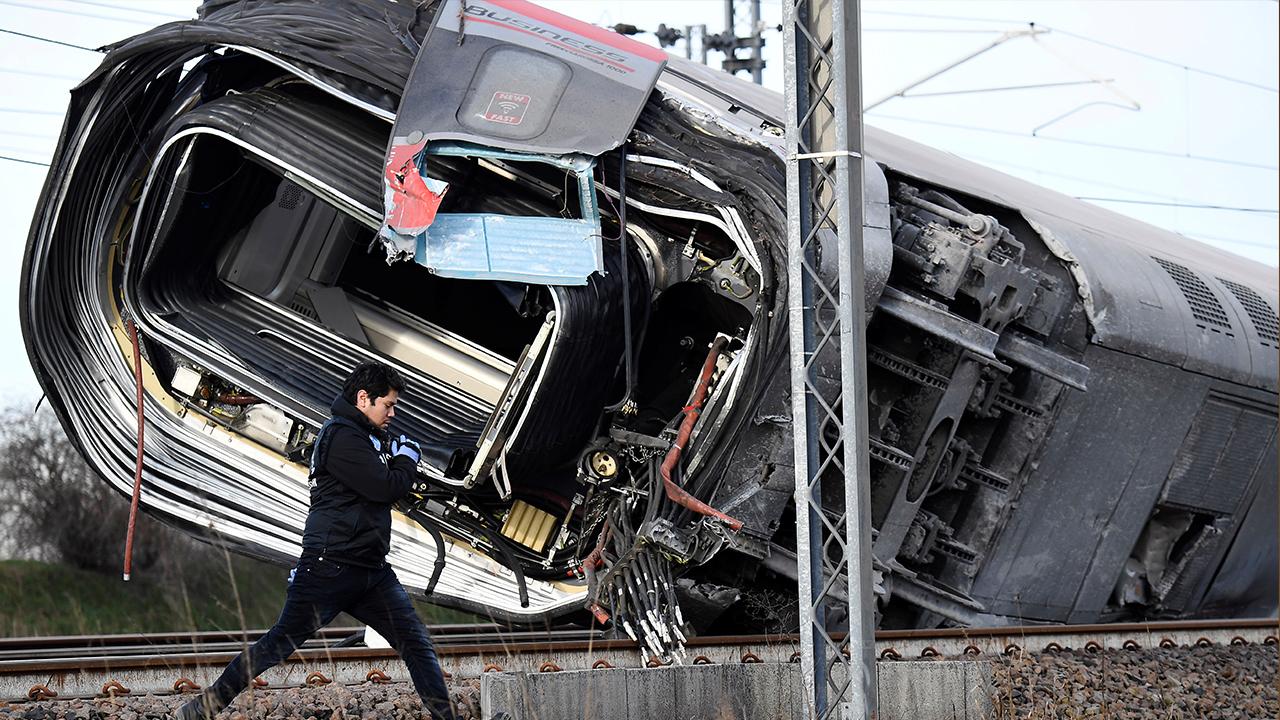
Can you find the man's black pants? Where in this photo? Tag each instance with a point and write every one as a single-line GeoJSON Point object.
{"type": "Point", "coordinates": [318, 591]}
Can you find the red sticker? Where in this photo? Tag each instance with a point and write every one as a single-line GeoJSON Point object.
{"type": "Point", "coordinates": [507, 108]}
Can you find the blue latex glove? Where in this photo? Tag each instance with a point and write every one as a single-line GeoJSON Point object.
{"type": "Point", "coordinates": [406, 447]}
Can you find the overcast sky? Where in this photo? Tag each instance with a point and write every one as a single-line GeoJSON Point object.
{"type": "Point", "coordinates": [1166, 111]}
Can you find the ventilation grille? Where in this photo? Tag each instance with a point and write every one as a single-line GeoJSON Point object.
{"type": "Point", "coordinates": [1260, 312]}
{"type": "Point", "coordinates": [1219, 457]}
{"type": "Point", "coordinates": [301, 304]}
{"type": "Point", "coordinates": [1205, 307]}
{"type": "Point", "coordinates": [290, 197]}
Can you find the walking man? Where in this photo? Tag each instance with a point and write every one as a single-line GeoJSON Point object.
{"type": "Point", "coordinates": [357, 472]}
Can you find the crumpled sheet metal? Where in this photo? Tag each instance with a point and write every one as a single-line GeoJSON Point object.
{"type": "Point", "coordinates": [513, 75]}
{"type": "Point", "coordinates": [115, 129]}
{"type": "Point", "coordinates": [358, 51]}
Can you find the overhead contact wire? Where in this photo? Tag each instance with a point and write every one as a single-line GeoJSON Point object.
{"type": "Point", "coordinates": [24, 162]}
{"type": "Point", "coordinates": [51, 41]}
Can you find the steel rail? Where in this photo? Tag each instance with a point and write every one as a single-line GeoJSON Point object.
{"type": "Point", "coordinates": [470, 655]}
{"type": "Point", "coordinates": [68, 647]}
{"type": "Point", "coordinates": [1090, 629]}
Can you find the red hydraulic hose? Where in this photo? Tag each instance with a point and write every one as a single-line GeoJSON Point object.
{"type": "Point", "coordinates": [137, 476]}
{"type": "Point", "coordinates": [676, 493]}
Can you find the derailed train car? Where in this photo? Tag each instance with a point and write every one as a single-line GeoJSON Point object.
{"type": "Point", "coordinates": [1072, 414]}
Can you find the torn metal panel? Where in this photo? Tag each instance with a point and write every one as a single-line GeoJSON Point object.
{"type": "Point", "coordinates": [489, 246]}
{"type": "Point", "coordinates": [1063, 253]}
{"type": "Point", "coordinates": [410, 198]}
{"type": "Point", "coordinates": [526, 79]}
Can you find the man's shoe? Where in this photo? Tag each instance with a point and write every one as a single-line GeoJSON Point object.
{"type": "Point", "coordinates": [201, 708]}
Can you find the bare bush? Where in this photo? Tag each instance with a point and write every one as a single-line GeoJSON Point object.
{"type": "Point", "coordinates": [59, 509]}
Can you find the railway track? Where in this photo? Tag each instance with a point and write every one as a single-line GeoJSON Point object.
{"type": "Point", "coordinates": [67, 647]}
{"type": "Point", "coordinates": [175, 663]}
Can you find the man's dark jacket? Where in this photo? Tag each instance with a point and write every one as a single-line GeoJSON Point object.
{"type": "Point", "coordinates": [354, 481]}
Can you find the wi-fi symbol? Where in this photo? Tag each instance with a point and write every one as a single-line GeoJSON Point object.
{"type": "Point", "coordinates": [508, 107]}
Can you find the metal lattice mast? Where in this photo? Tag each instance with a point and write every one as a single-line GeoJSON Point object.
{"type": "Point", "coordinates": [742, 30]}
{"type": "Point", "coordinates": [828, 357]}
{"type": "Point", "coordinates": [757, 47]}
{"type": "Point", "coordinates": [742, 18]}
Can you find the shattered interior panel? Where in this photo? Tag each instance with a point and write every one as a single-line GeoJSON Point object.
{"type": "Point", "coordinates": [1072, 415]}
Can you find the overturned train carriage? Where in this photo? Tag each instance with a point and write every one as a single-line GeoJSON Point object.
{"type": "Point", "coordinates": [1072, 414]}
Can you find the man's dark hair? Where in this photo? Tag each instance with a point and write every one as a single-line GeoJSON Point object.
{"type": "Point", "coordinates": [374, 378]}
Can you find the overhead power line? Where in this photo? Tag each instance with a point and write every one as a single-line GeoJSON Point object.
{"type": "Point", "coordinates": [1004, 38]}
{"type": "Point", "coordinates": [25, 162]}
{"type": "Point", "coordinates": [1196, 206]}
{"type": "Point", "coordinates": [940, 31]}
{"type": "Point", "coordinates": [1207, 238]}
{"type": "Point", "coordinates": [981, 160]}
{"type": "Point", "coordinates": [1006, 88]}
{"type": "Point", "coordinates": [929, 16]}
{"type": "Point", "coordinates": [122, 8]}
{"type": "Point", "coordinates": [1163, 61]}
{"type": "Point", "coordinates": [16, 133]}
{"type": "Point", "coordinates": [1085, 38]}
{"type": "Point", "coordinates": [1085, 143]}
{"type": "Point", "coordinates": [74, 13]}
{"type": "Point", "coordinates": [29, 111]}
{"type": "Point", "coordinates": [36, 73]}
{"type": "Point", "coordinates": [1091, 181]}
{"type": "Point", "coordinates": [49, 40]}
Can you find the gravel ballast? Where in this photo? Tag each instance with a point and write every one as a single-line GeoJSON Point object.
{"type": "Point", "coordinates": [1218, 681]}
{"type": "Point", "coordinates": [1215, 682]}
{"type": "Point", "coordinates": [392, 701]}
